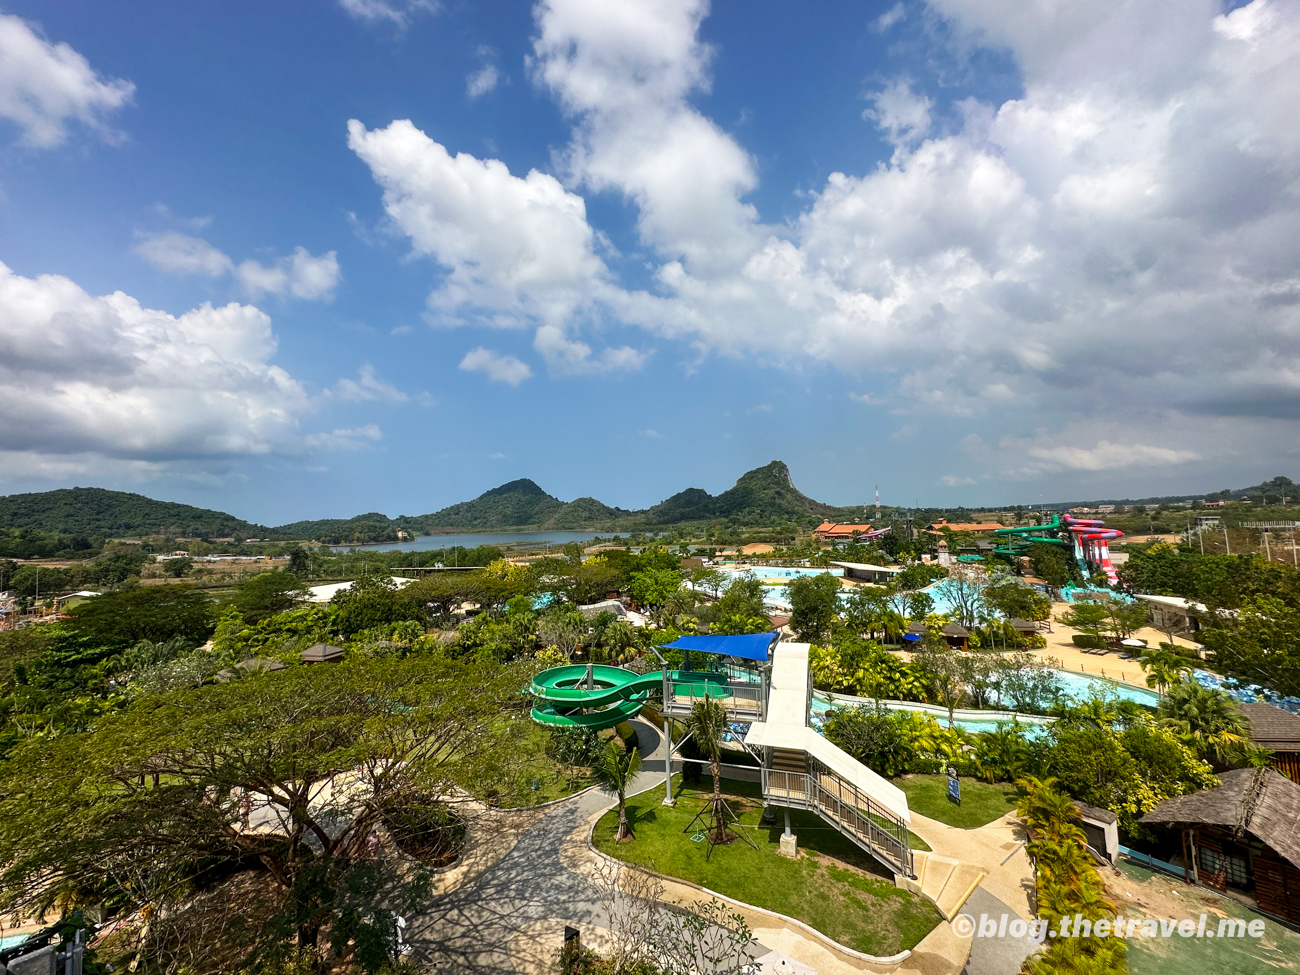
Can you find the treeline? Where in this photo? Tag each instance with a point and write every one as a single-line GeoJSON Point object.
{"type": "Point", "coordinates": [34, 543]}
{"type": "Point", "coordinates": [97, 511]}
{"type": "Point", "coordinates": [1251, 622]}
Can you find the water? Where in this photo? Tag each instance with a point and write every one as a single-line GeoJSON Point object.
{"type": "Point", "coordinates": [429, 543]}
{"type": "Point", "coordinates": [820, 705]}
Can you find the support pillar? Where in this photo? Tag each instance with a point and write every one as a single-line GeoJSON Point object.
{"type": "Point", "coordinates": [789, 842]}
{"type": "Point", "coordinates": [668, 763]}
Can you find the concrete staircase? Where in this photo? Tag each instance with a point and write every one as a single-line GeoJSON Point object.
{"type": "Point", "coordinates": [944, 882]}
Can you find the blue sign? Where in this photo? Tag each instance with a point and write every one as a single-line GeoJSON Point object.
{"type": "Point", "coordinates": [954, 787]}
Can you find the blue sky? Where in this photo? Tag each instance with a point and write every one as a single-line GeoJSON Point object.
{"type": "Point", "coordinates": [315, 259]}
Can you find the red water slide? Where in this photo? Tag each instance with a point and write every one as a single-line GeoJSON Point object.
{"type": "Point", "coordinates": [1092, 543]}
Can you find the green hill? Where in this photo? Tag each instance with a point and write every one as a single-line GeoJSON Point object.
{"type": "Point", "coordinates": [97, 511]}
{"type": "Point", "coordinates": [764, 496]}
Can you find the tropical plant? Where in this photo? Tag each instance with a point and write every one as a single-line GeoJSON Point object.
{"type": "Point", "coordinates": [707, 723]}
{"type": "Point", "coordinates": [614, 769]}
{"type": "Point", "coordinates": [1206, 719]}
{"type": "Point", "coordinates": [1164, 668]}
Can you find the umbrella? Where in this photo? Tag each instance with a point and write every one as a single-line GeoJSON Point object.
{"type": "Point", "coordinates": [1132, 642]}
{"type": "Point", "coordinates": [911, 637]}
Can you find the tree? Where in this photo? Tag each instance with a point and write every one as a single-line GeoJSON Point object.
{"type": "Point", "coordinates": [743, 598]}
{"type": "Point", "coordinates": [563, 627]}
{"type": "Point", "coordinates": [710, 581]}
{"type": "Point", "coordinates": [814, 602]}
{"type": "Point", "coordinates": [1088, 617]}
{"type": "Point", "coordinates": [652, 587]}
{"type": "Point", "coordinates": [1049, 563]}
{"type": "Point", "coordinates": [707, 723]}
{"type": "Point", "coordinates": [1124, 616]}
{"type": "Point", "coordinates": [615, 769]}
{"type": "Point", "coordinates": [1205, 719]}
{"type": "Point", "coordinates": [1163, 668]}
{"type": "Point", "coordinates": [299, 563]}
{"type": "Point", "coordinates": [372, 601]}
{"type": "Point", "coordinates": [316, 756]}
{"type": "Point", "coordinates": [964, 591]}
{"type": "Point", "coordinates": [115, 621]}
{"type": "Point", "coordinates": [943, 670]}
{"type": "Point", "coordinates": [266, 594]}
{"type": "Point", "coordinates": [178, 567]}
{"type": "Point", "coordinates": [871, 735]}
{"type": "Point", "coordinates": [1014, 599]}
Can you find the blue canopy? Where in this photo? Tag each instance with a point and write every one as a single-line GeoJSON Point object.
{"type": "Point", "coordinates": [751, 646]}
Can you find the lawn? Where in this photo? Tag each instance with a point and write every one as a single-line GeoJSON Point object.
{"type": "Point", "coordinates": [832, 886]}
{"type": "Point", "coordinates": [543, 779]}
{"type": "Point", "coordinates": [980, 802]}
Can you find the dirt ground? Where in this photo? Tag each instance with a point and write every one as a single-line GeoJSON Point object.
{"type": "Point", "coordinates": [1141, 893]}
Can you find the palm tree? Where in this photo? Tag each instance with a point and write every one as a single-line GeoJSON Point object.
{"type": "Point", "coordinates": [1164, 669]}
{"type": "Point", "coordinates": [615, 769]}
{"type": "Point", "coordinates": [1206, 719]}
{"type": "Point", "coordinates": [707, 724]}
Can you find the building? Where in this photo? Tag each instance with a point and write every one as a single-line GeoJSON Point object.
{"type": "Point", "coordinates": [64, 603]}
{"type": "Point", "coordinates": [322, 653]}
{"type": "Point", "coordinates": [832, 531]}
{"type": "Point", "coordinates": [865, 572]}
{"type": "Point", "coordinates": [1101, 826]}
{"type": "Point", "coordinates": [1173, 614]}
{"type": "Point", "coordinates": [1279, 732]}
{"type": "Point", "coordinates": [1242, 837]}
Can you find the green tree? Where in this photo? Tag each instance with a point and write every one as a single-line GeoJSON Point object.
{"type": "Point", "coordinates": [1050, 564]}
{"type": "Point", "coordinates": [1205, 719]}
{"type": "Point", "coordinates": [814, 603]}
{"type": "Point", "coordinates": [157, 809]}
{"type": "Point", "coordinates": [374, 601]}
{"type": "Point", "coordinates": [872, 735]}
{"type": "Point", "coordinates": [266, 594]}
{"type": "Point", "coordinates": [1164, 669]}
{"type": "Point", "coordinates": [116, 621]}
{"type": "Point", "coordinates": [653, 587]}
{"type": "Point", "coordinates": [1087, 617]}
{"type": "Point", "coordinates": [944, 671]}
{"type": "Point", "coordinates": [615, 768]}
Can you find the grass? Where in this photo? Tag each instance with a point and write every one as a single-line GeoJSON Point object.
{"type": "Point", "coordinates": [980, 802]}
{"type": "Point", "coordinates": [543, 779]}
{"type": "Point", "coordinates": [833, 886]}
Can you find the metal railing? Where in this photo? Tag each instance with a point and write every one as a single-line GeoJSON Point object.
{"type": "Point", "coordinates": [742, 701]}
{"type": "Point", "coordinates": [853, 812]}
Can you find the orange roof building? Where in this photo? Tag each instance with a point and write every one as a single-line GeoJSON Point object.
{"type": "Point", "coordinates": [835, 531]}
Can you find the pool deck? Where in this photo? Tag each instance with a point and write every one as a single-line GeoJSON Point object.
{"type": "Point", "coordinates": [1072, 658]}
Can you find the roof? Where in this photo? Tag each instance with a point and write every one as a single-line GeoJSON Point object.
{"type": "Point", "coordinates": [1256, 801]}
{"type": "Point", "coordinates": [604, 606]}
{"type": "Point", "coordinates": [750, 646]}
{"type": "Point", "coordinates": [868, 567]}
{"type": "Point", "coordinates": [1094, 814]}
{"type": "Point", "coordinates": [837, 528]}
{"type": "Point", "coordinates": [1176, 602]}
{"type": "Point", "coordinates": [1019, 624]}
{"type": "Point", "coordinates": [321, 653]}
{"type": "Point", "coordinates": [1272, 727]}
{"type": "Point", "coordinates": [955, 629]}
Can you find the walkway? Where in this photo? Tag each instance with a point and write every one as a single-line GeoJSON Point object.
{"type": "Point", "coordinates": [505, 913]}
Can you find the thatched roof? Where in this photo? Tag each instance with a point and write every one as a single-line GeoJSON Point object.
{"type": "Point", "coordinates": [1272, 727]}
{"type": "Point", "coordinates": [955, 629]}
{"type": "Point", "coordinates": [1256, 801]}
{"type": "Point", "coordinates": [1024, 626]}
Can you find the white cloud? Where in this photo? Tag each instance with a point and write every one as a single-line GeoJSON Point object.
{"type": "Point", "coordinates": [300, 275]}
{"type": "Point", "coordinates": [567, 357]}
{"type": "Point", "coordinates": [482, 81]}
{"type": "Point", "coordinates": [103, 377]}
{"type": "Point", "coordinates": [366, 387]}
{"type": "Point", "coordinates": [902, 114]}
{"type": "Point", "coordinates": [652, 434]}
{"type": "Point", "coordinates": [1107, 456]}
{"type": "Point", "coordinates": [396, 12]}
{"type": "Point", "coordinates": [890, 17]}
{"type": "Point", "coordinates": [497, 367]}
{"type": "Point", "coordinates": [351, 438]}
{"type": "Point", "coordinates": [44, 86]}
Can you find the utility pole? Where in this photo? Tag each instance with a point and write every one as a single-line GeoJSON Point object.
{"type": "Point", "coordinates": [877, 502]}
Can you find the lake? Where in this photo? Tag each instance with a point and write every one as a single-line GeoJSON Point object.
{"type": "Point", "coordinates": [428, 543]}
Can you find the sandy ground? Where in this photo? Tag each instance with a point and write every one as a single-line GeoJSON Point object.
{"type": "Point", "coordinates": [1060, 647]}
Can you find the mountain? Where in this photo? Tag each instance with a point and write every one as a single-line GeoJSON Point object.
{"type": "Point", "coordinates": [764, 496]}
{"type": "Point", "coordinates": [97, 511]}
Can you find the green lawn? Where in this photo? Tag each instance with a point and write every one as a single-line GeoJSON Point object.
{"type": "Point", "coordinates": [833, 886]}
{"type": "Point", "coordinates": [980, 802]}
{"type": "Point", "coordinates": [542, 780]}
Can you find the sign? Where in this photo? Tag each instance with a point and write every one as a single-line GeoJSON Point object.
{"type": "Point", "coordinates": [954, 786]}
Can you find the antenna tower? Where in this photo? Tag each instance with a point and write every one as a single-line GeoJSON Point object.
{"type": "Point", "coordinates": [877, 502]}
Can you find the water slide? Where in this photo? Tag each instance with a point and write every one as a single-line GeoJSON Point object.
{"type": "Point", "coordinates": [1019, 539]}
{"type": "Point", "coordinates": [1092, 543]}
{"type": "Point", "coordinates": [598, 696]}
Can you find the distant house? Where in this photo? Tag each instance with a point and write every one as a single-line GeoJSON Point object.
{"type": "Point", "coordinates": [1242, 836]}
{"type": "Point", "coordinates": [64, 603]}
{"type": "Point", "coordinates": [1279, 732]}
{"type": "Point", "coordinates": [833, 531]}
{"type": "Point", "coordinates": [865, 572]}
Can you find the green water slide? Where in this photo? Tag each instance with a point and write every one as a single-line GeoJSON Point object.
{"type": "Point", "coordinates": [1018, 543]}
{"type": "Point", "coordinates": [565, 701]}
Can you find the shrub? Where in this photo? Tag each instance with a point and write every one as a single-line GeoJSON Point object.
{"type": "Point", "coordinates": [1088, 641]}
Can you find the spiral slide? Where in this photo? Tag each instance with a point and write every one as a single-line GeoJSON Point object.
{"type": "Point", "coordinates": [1092, 543]}
{"type": "Point", "coordinates": [565, 701]}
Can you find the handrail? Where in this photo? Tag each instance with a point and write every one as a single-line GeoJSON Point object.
{"type": "Point", "coordinates": [856, 814]}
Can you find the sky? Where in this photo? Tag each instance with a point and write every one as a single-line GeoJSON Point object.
{"type": "Point", "coordinates": [316, 259]}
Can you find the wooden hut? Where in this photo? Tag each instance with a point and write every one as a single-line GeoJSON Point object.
{"type": "Point", "coordinates": [1279, 732]}
{"type": "Point", "coordinates": [958, 636]}
{"type": "Point", "coordinates": [1244, 835]}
